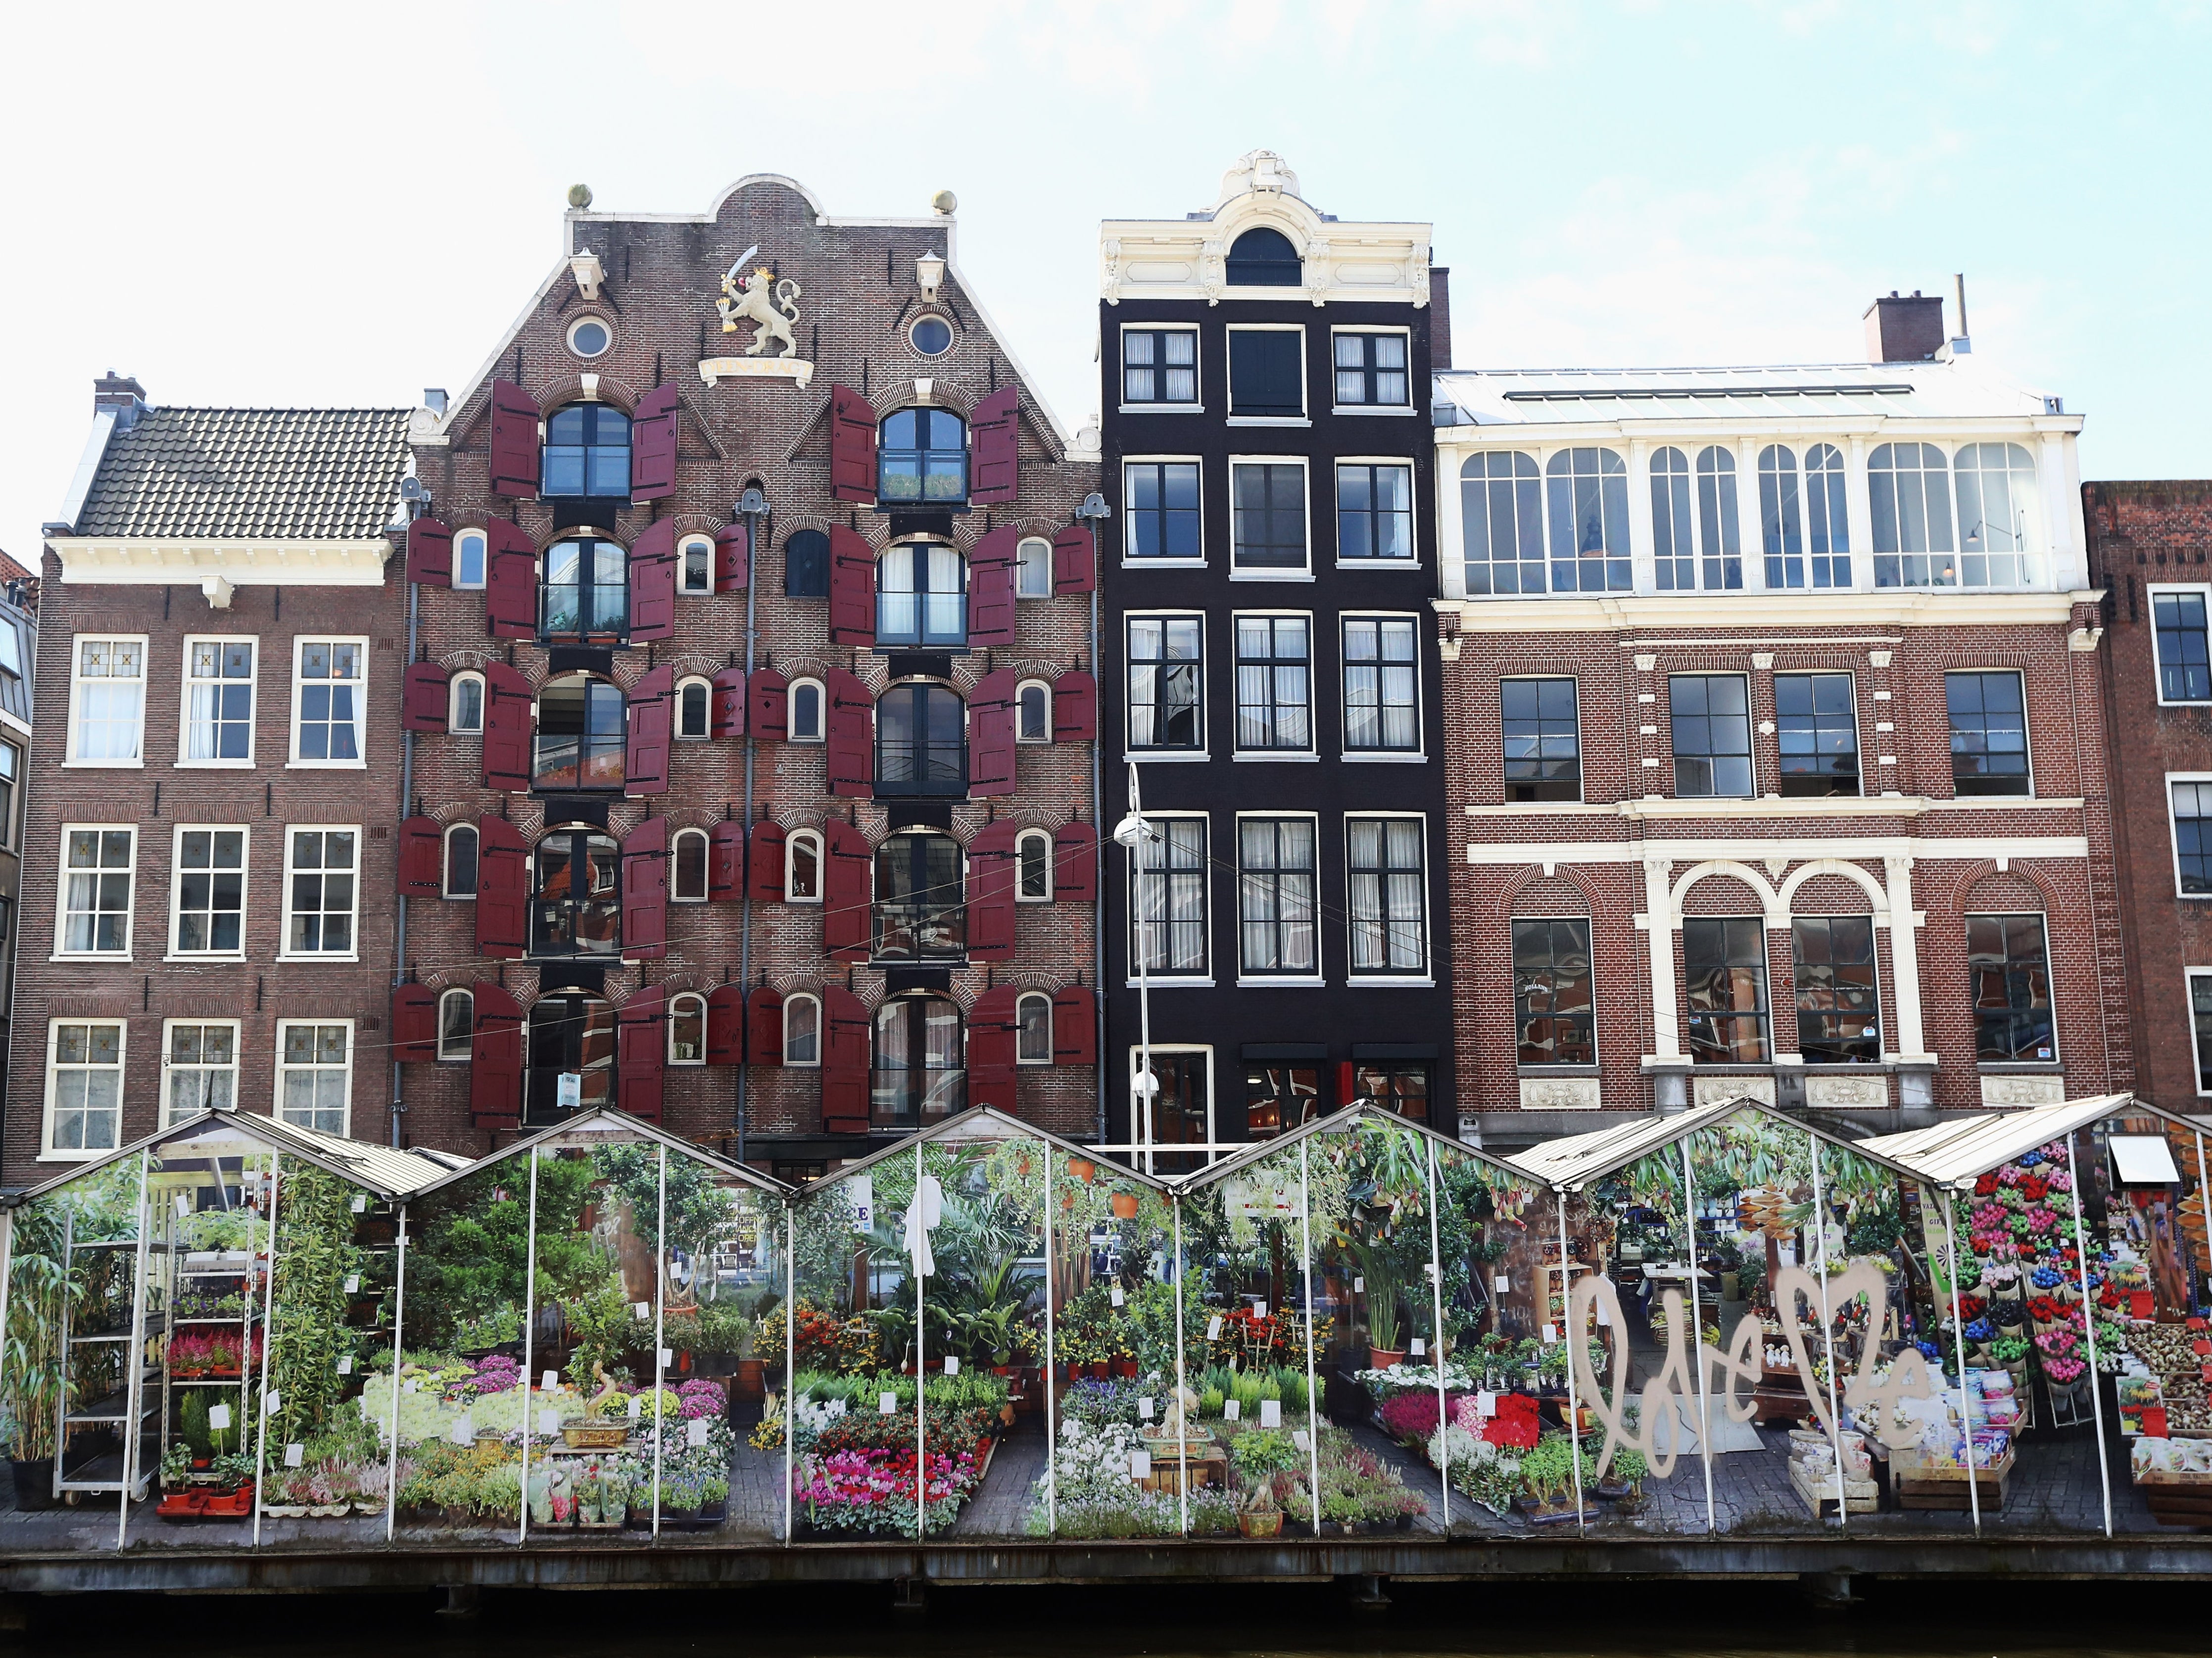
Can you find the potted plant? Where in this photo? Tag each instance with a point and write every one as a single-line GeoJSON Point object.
{"type": "Point", "coordinates": [1384, 1331]}
{"type": "Point", "coordinates": [1261, 1515]}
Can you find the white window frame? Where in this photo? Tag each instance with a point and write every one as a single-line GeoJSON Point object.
{"type": "Point", "coordinates": [1272, 572]}
{"type": "Point", "coordinates": [253, 683]}
{"type": "Point", "coordinates": [170, 1115]}
{"type": "Point", "coordinates": [1305, 417]}
{"type": "Point", "coordinates": [1025, 837]}
{"type": "Point", "coordinates": [461, 537]}
{"type": "Point", "coordinates": [1411, 406]}
{"type": "Point", "coordinates": [2027, 728]}
{"type": "Point", "coordinates": [446, 861]}
{"type": "Point", "coordinates": [284, 950]}
{"type": "Point", "coordinates": [468, 1051]}
{"type": "Point", "coordinates": [277, 1099]}
{"type": "Point", "coordinates": [1195, 406]}
{"type": "Point", "coordinates": [1148, 756]}
{"type": "Point", "coordinates": [2174, 832]}
{"type": "Point", "coordinates": [687, 996]}
{"type": "Point", "coordinates": [2152, 589]}
{"type": "Point", "coordinates": [244, 834]}
{"type": "Point", "coordinates": [821, 733]}
{"type": "Point", "coordinates": [1130, 561]}
{"type": "Point", "coordinates": [62, 953]}
{"type": "Point", "coordinates": [790, 1002]}
{"type": "Point", "coordinates": [360, 763]}
{"type": "Point", "coordinates": [1265, 980]}
{"type": "Point", "coordinates": [1025, 542]}
{"type": "Point", "coordinates": [1044, 685]}
{"type": "Point", "coordinates": [706, 865]}
{"type": "Point", "coordinates": [2188, 977]}
{"type": "Point", "coordinates": [1418, 754]}
{"type": "Point", "coordinates": [813, 837]}
{"type": "Point", "coordinates": [675, 731]}
{"type": "Point", "coordinates": [1311, 752]}
{"type": "Point", "coordinates": [1020, 1002]}
{"type": "Point", "coordinates": [1336, 507]}
{"type": "Point", "coordinates": [453, 703]}
{"type": "Point", "coordinates": [48, 1152]}
{"type": "Point", "coordinates": [1132, 874]}
{"type": "Point", "coordinates": [684, 589]}
{"type": "Point", "coordinates": [1355, 975]}
{"type": "Point", "coordinates": [77, 682]}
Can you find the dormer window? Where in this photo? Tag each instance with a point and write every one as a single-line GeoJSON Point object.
{"type": "Point", "coordinates": [1265, 259]}
{"type": "Point", "coordinates": [923, 457]}
{"type": "Point", "coordinates": [586, 453]}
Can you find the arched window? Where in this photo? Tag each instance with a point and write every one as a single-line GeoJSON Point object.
{"type": "Point", "coordinates": [921, 742]}
{"type": "Point", "coordinates": [921, 596]}
{"type": "Point", "coordinates": [585, 594]}
{"type": "Point", "coordinates": [691, 704]}
{"type": "Point", "coordinates": [1033, 569]}
{"type": "Point", "coordinates": [802, 867]}
{"type": "Point", "coordinates": [457, 1023]}
{"type": "Point", "coordinates": [923, 457]}
{"type": "Point", "coordinates": [1794, 522]}
{"type": "Point", "coordinates": [804, 712]}
{"type": "Point", "coordinates": [1033, 1029]}
{"type": "Point", "coordinates": [694, 565]}
{"type": "Point", "coordinates": [470, 558]}
{"type": "Point", "coordinates": [464, 703]}
{"type": "Point", "coordinates": [918, 1072]}
{"type": "Point", "coordinates": [582, 737]}
{"type": "Point", "coordinates": [802, 1029]}
{"type": "Point", "coordinates": [1262, 258]}
{"type": "Point", "coordinates": [586, 453]}
{"type": "Point", "coordinates": [921, 903]}
{"type": "Point", "coordinates": [1701, 544]}
{"type": "Point", "coordinates": [1033, 711]}
{"type": "Point", "coordinates": [1587, 494]}
{"type": "Point", "coordinates": [687, 1029]}
{"type": "Point", "coordinates": [807, 565]}
{"type": "Point", "coordinates": [1909, 489]}
{"type": "Point", "coordinates": [1502, 524]}
{"type": "Point", "coordinates": [687, 867]}
{"type": "Point", "coordinates": [1033, 853]}
{"type": "Point", "coordinates": [1999, 525]}
{"type": "Point", "coordinates": [570, 1035]}
{"type": "Point", "coordinates": [576, 901]}
{"type": "Point", "coordinates": [461, 861]}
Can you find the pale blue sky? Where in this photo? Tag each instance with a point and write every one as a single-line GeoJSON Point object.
{"type": "Point", "coordinates": [326, 205]}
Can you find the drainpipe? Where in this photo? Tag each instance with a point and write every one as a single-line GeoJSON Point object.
{"type": "Point", "coordinates": [1093, 513]}
{"type": "Point", "coordinates": [752, 506]}
{"type": "Point", "coordinates": [399, 929]}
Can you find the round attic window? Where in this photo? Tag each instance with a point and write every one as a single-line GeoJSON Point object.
{"type": "Point", "coordinates": [931, 336]}
{"type": "Point", "coordinates": [588, 336]}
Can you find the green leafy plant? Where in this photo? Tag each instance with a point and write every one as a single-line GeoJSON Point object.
{"type": "Point", "coordinates": [601, 1323]}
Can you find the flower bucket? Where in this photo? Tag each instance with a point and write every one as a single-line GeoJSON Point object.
{"type": "Point", "coordinates": [1260, 1525]}
{"type": "Point", "coordinates": [1083, 1168]}
{"type": "Point", "coordinates": [1381, 1358]}
{"type": "Point", "coordinates": [1124, 1204]}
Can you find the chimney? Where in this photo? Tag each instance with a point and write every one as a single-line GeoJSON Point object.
{"type": "Point", "coordinates": [1439, 319]}
{"type": "Point", "coordinates": [120, 393]}
{"type": "Point", "coordinates": [434, 399]}
{"type": "Point", "coordinates": [1900, 330]}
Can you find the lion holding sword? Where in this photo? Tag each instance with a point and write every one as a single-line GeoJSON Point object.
{"type": "Point", "coordinates": [754, 297]}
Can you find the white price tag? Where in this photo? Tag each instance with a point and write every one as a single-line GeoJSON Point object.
{"type": "Point", "coordinates": [952, 1366]}
{"type": "Point", "coordinates": [636, 1406]}
{"type": "Point", "coordinates": [548, 1422]}
{"type": "Point", "coordinates": [294, 1455]}
{"type": "Point", "coordinates": [462, 1432]}
{"type": "Point", "coordinates": [667, 1357]}
{"type": "Point", "coordinates": [1428, 1271]}
{"type": "Point", "coordinates": [1416, 1347]}
{"type": "Point", "coordinates": [887, 1405]}
{"type": "Point", "coordinates": [1140, 1465]}
{"type": "Point", "coordinates": [695, 1432]}
{"type": "Point", "coordinates": [551, 1380]}
{"type": "Point", "coordinates": [353, 1284]}
{"type": "Point", "coordinates": [218, 1417]}
{"type": "Point", "coordinates": [1232, 1410]}
{"type": "Point", "coordinates": [183, 1205]}
{"type": "Point", "coordinates": [1270, 1412]}
{"type": "Point", "coordinates": [641, 1311]}
{"type": "Point", "coordinates": [1214, 1328]}
{"type": "Point", "coordinates": [1501, 1284]}
{"type": "Point", "coordinates": [1550, 1333]}
{"type": "Point", "coordinates": [1298, 1438]}
{"type": "Point", "coordinates": [271, 1401]}
{"type": "Point", "coordinates": [345, 1365]}
{"type": "Point", "coordinates": [1261, 1310]}
{"type": "Point", "coordinates": [1143, 1410]}
{"type": "Point", "coordinates": [1117, 1296]}
{"type": "Point", "coordinates": [1359, 1286]}
{"type": "Point", "coordinates": [1485, 1403]}
{"type": "Point", "coordinates": [360, 1203]}
{"type": "Point", "coordinates": [1603, 1316]}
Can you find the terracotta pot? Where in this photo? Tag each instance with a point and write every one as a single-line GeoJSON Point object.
{"type": "Point", "coordinates": [1125, 1368]}
{"type": "Point", "coordinates": [1082, 1168]}
{"type": "Point", "coordinates": [1124, 1204]}
{"type": "Point", "coordinates": [1381, 1358]}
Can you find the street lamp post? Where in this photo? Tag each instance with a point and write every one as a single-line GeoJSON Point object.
{"type": "Point", "coordinates": [1133, 832]}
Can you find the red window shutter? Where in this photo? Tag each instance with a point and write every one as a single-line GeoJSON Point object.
{"type": "Point", "coordinates": [510, 581]}
{"type": "Point", "coordinates": [1074, 708]}
{"type": "Point", "coordinates": [502, 894]}
{"type": "Point", "coordinates": [846, 882]}
{"type": "Point", "coordinates": [429, 552]}
{"type": "Point", "coordinates": [851, 446]}
{"type": "Point", "coordinates": [726, 862]}
{"type": "Point", "coordinates": [726, 705]}
{"type": "Point", "coordinates": [997, 459]}
{"type": "Point", "coordinates": [644, 891]}
{"type": "Point", "coordinates": [421, 849]}
{"type": "Point", "coordinates": [991, 881]}
{"type": "Point", "coordinates": [770, 694]}
{"type": "Point", "coordinates": [849, 726]}
{"type": "Point", "coordinates": [652, 445]}
{"type": "Point", "coordinates": [726, 1025]}
{"type": "Point", "coordinates": [414, 1025]}
{"type": "Point", "coordinates": [508, 701]}
{"type": "Point", "coordinates": [852, 588]}
{"type": "Point", "coordinates": [764, 862]}
{"type": "Point", "coordinates": [733, 563]}
{"type": "Point", "coordinates": [1074, 1027]}
{"type": "Point", "coordinates": [422, 698]}
{"type": "Point", "coordinates": [652, 712]}
{"type": "Point", "coordinates": [765, 1027]}
{"type": "Point", "coordinates": [1075, 864]}
{"type": "Point", "coordinates": [514, 441]}
{"type": "Point", "coordinates": [991, 735]}
{"type": "Point", "coordinates": [1074, 560]}
{"type": "Point", "coordinates": [642, 1051]}
{"type": "Point", "coordinates": [991, 1037]}
{"type": "Point", "coordinates": [653, 582]}
{"type": "Point", "coordinates": [991, 587]}
{"type": "Point", "coordinates": [846, 1056]}
{"type": "Point", "coordinates": [495, 1059]}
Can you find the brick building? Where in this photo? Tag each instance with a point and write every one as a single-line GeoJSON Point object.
{"type": "Point", "coordinates": [207, 851]}
{"type": "Point", "coordinates": [750, 701]}
{"type": "Point", "coordinates": [2148, 543]}
{"type": "Point", "coordinates": [1775, 740]}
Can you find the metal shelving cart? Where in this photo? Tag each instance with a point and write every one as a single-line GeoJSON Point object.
{"type": "Point", "coordinates": [130, 1411]}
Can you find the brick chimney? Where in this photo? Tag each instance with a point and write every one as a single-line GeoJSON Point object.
{"type": "Point", "coordinates": [122, 393]}
{"type": "Point", "coordinates": [1439, 319]}
{"type": "Point", "coordinates": [1904, 330]}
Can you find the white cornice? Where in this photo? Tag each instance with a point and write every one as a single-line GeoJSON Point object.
{"type": "Point", "coordinates": [1887, 608]}
{"type": "Point", "coordinates": [120, 560]}
{"type": "Point", "coordinates": [1752, 849]}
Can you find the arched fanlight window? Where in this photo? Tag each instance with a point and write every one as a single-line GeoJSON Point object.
{"type": "Point", "coordinates": [687, 1029]}
{"type": "Point", "coordinates": [461, 861]}
{"type": "Point", "coordinates": [1033, 1029]}
{"type": "Point", "coordinates": [687, 867]}
{"type": "Point", "coordinates": [1033, 569]}
{"type": "Point", "coordinates": [1263, 257]}
{"type": "Point", "coordinates": [576, 900]}
{"type": "Point", "coordinates": [804, 714]}
{"type": "Point", "coordinates": [1033, 711]}
{"type": "Point", "coordinates": [471, 558]}
{"type": "Point", "coordinates": [1033, 854]}
{"type": "Point", "coordinates": [921, 746]}
{"type": "Point", "coordinates": [802, 1029]}
{"type": "Point", "coordinates": [923, 457]}
{"type": "Point", "coordinates": [1587, 496]}
{"type": "Point", "coordinates": [919, 1070]}
{"type": "Point", "coordinates": [1502, 524]}
{"type": "Point", "coordinates": [920, 900]}
{"type": "Point", "coordinates": [464, 704]}
{"type": "Point", "coordinates": [694, 565]}
{"type": "Point", "coordinates": [457, 1025]}
{"type": "Point", "coordinates": [1909, 488]}
{"type": "Point", "coordinates": [583, 735]}
{"type": "Point", "coordinates": [802, 867]}
{"type": "Point", "coordinates": [692, 708]}
{"type": "Point", "coordinates": [1694, 534]}
{"type": "Point", "coordinates": [586, 453]}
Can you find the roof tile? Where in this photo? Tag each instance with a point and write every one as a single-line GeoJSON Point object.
{"type": "Point", "coordinates": [247, 474]}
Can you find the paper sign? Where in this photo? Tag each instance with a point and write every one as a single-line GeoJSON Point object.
{"type": "Point", "coordinates": [640, 1310]}
{"type": "Point", "coordinates": [1501, 1284]}
{"type": "Point", "coordinates": [1358, 1286]}
{"type": "Point", "coordinates": [1214, 1328]}
{"type": "Point", "coordinates": [1270, 1412]}
{"type": "Point", "coordinates": [294, 1455]}
{"type": "Point", "coordinates": [345, 1365]}
{"type": "Point", "coordinates": [1260, 1310]}
{"type": "Point", "coordinates": [951, 1365]}
{"type": "Point", "coordinates": [1117, 1295]}
{"type": "Point", "coordinates": [636, 1406]}
{"type": "Point", "coordinates": [1140, 1465]}
{"type": "Point", "coordinates": [1485, 1403]}
{"type": "Point", "coordinates": [552, 1380]}
{"type": "Point", "coordinates": [1603, 1315]}
{"type": "Point", "coordinates": [360, 1203]}
{"type": "Point", "coordinates": [353, 1284]}
{"type": "Point", "coordinates": [694, 1432]}
{"type": "Point", "coordinates": [270, 1401]}
{"type": "Point", "coordinates": [1143, 1410]}
{"type": "Point", "coordinates": [667, 1356]}
{"type": "Point", "coordinates": [887, 1405]}
{"type": "Point", "coordinates": [1231, 1410]}
{"type": "Point", "coordinates": [549, 1421]}
{"type": "Point", "coordinates": [218, 1417]}
{"type": "Point", "coordinates": [861, 1189]}
{"type": "Point", "coordinates": [461, 1433]}
{"type": "Point", "coordinates": [183, 1205]}
{"type": "Point", "coordinates": [1550, 1333]}
{"type": "Point", "coordinates": [1298, 1438]}
{"type": "Point", "coordinates": [568, 1090]}
{"type": "Point", "coordinates": [1416, 1347]}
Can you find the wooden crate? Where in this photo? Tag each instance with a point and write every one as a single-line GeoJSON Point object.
{"type": "Point", "coordinates": [1860, 1496]}
{"type": "Point", "coordinates": [1167, 1472]}
{"type": "Point", "coordinates": [1922, 1486]}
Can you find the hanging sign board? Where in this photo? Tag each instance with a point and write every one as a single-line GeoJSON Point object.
{"type": "Point", "coordinates": [568, 1090]}
{"type": "Point", "coordinates": [861, 1188]}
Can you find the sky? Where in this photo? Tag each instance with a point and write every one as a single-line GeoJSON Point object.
{"type": "Point", "coordinates": [339, 206]}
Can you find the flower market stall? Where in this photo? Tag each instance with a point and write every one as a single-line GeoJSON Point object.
{"type": "Point", "coordinates": [587, 1332]}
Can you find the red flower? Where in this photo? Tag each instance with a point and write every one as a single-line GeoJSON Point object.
{"type": "Point", "coordinates": [2034, 1187]}
{"type": "Point", "coordinates": [1986, 1186]}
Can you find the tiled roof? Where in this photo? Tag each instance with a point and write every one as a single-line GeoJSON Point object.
{"type": "Point", "coordinates": [248, 473]}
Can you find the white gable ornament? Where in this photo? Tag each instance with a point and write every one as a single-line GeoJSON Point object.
{"type": "Point", "coordinates": [757, 297]}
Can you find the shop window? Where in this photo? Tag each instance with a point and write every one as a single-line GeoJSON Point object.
{"type": "Point", "coordinates": [584, 593]}
{"type": "Point", "coordinates": [1277, 930]}
{"type": "Point", "coordinates": [583, 735]}
{"type": "Point", "coordinates": [570, 1056]}
{"type": "Point", "coordinates": [1403, 1088]}
{"type": "Point", "coordinates": [803, 711]}
{"type": "Point", "coordinates": [922, 458]}
{"type": "Point", "coordinates": [1180, 1112]}
{"type": "Point", "coordinates": [586, 453]}
{"type": "Point", "coordinates": [1839, 1011]}
{"type": "Point", "coordinates": [200, 1067]}
{"type": "Point", "coordinates": [1033, 569]}
{"type": "Point", "coordinates": [1554, 1011]}
{"type": "Point", "coordinates": [802, 1029]}
{"type": "Point", "coordinates": [576, 904]}
{"type": "Point", "coordinates": [1542, 739]}
{"type": "Point", "coordinates": [1274, 683]}
{"type": "Point", "coordinates": [1170, 883]}
{"type": "Point", "coordinates": [691, 706]}
{"type": "Point", "coordinates": [918, 1075]}
{"type": "Point", "coordinates": [464, 704]}
{"type": "Point", "coordinates": [457, 1026]}
{"type": "Point", "coordinates": [1817, 733]}
{"type": "Point", "coordinates": [460, 879]}
{"type": "Point", "coordinates": [2008, 962]}
{"type": "Point", "coordinates": [1033, 711]}
{"type": "Point", "coordinates": [1166, 680]}
{"type": "Point", "coordinates": [687, 865]}
{"type": "Point", "coordinates": [1033, 1029]}
{"type": "Point", "coordinates": [1159, 507]}
{"type": "Point", "coordinates": [1382, 707]}
{"type": "Point", "coordinates": [1278, 1098]}
{"type": "Point", "coordinates": [920, 911]}
{"type": "Point", "coordinates": [802, 867]}
{"type": "Point", "coordinates": [1695, 539]}
{"type": "Point", "coordinates": [1388, 891]}
{"type": "Point", "coordinates": [921, 596]}
{"type": "Point", "coordinates": [1159, 366]}
{"type": "Point", "coordinates": [1724, 976]}
{"type": "Point", "coordinates": [1989, 733]}
{"type": "Point", "coordinates": [1033, 854]}
{"type": "Point", "coordinates": [1710, 715]}
{"type": "Point", "coordinates": [921, 742]}
{"type": "Point", "coordinates": [687, 1029]}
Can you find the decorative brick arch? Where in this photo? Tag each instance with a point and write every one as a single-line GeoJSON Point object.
{"type": "Point", "coordinates": [1850, 872]}
{"type": "Point", "coordinates": [1532, 873]}
{"type": "Point", "coordinates": [569, 388]}
{"type": "Point", "coordinates": [1987, 870]}
{"type": "Point", "coordinates": [1751, 878]}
